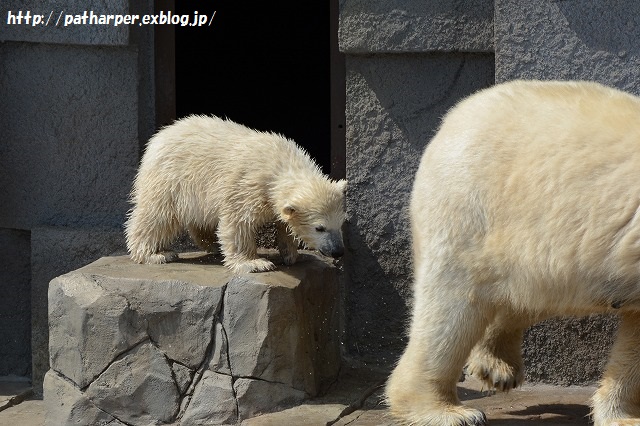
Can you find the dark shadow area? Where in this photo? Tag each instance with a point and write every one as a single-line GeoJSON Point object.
{"type": "Point", "coordinates": [588, 19]}
{"type": "Point", "coordinates": [266, 68]}
{"type": "Point", "coordinates": [199, 258]}
{"type": "Point", "coordinates": [563, 414]}
{"type": "Point", "coordinates": [382, 162]}
{"type": "Point", "coordinates": [567, 411]}
{"type": "Point", "coordinates": [194, 256]}
{"type": "Point", "coordinates": [15, 303]}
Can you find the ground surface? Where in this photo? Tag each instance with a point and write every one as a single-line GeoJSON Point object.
{"type": "Point", "coordinates": [356, 401]}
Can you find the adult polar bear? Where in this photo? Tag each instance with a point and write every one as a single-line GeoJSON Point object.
{"type": "Point", "coordinates": [222, 181]}
{"type": "Point", "coordinates": [525, 206]}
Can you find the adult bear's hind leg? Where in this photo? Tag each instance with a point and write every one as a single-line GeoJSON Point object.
{"type": "Point", "coordinates": [497, 358]}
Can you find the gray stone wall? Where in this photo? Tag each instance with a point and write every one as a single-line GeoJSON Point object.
{"type": "Point", "coordinates": [15, 303]}
{"type": "Point", "coordinates": [407, 63]}
{"type": "Point", "coordinates": [76, 104]}
{"type": "Point", "coordinates": [569, 40]}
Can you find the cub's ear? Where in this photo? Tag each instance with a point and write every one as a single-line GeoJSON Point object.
{"type": "Point", "coordinates": [288, 211]}
{"type": "Point", "coordinates": [342, 185]}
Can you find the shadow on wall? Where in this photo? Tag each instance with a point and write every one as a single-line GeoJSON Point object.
{"type": "Point", "coordinates": [588, 18]}
{"type": "Point", "coordinates": [394, 106]}
{"type": "Point", "coordinates": [607, 31]}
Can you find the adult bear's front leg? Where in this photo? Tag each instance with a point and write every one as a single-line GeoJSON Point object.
{"type": "Point", "coordinates": [422, 389]}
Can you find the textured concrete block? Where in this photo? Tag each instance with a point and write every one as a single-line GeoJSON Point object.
{"type": "Point", "coordinates": [77, 113]}
{"type": "Point", "coordinates": [15, 303]}
{"type": "Point", "coordinates": [595, 40]}
{"type": "Point", "coordinates": [389, 122]}
{"type": "Point", "coordinates": [383, 26]}
{"type": "Point", "coordinates": [46, 22]}
{"type": "Point", "coordinates": [188, 341]}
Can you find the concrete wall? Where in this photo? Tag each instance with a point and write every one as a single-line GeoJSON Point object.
{"type": "Point", "coordinates": [571, 39]}
{"type": "Point", "coordinates": [73, 100]}
{"type": "Point", "coordinates": [407, 63]}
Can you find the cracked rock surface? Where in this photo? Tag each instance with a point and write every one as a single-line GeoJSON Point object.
{"type": "Point", "coordinates": [188, 343]}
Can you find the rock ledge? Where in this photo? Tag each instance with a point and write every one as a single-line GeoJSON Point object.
{"type": "Point", "coordinates": [188, 343]}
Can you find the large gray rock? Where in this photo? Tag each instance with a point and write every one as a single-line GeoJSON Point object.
{"type": "Point", "coordinates": [66, 404]}
{"type": "Point", "coordinates": [203, 410]}
{"type": "Point", "coordinates": [286, 348]}
{"type": "Point", "coordinates": [189, 342]}
{"type": "Point", "coordinates": [84, 322]}
{"type": "Point", "coordinates": [54, 251]}
{"type": "Point", "coordinates": [254, 394]}
{"type": "Point", "coordinates": [138, 388]}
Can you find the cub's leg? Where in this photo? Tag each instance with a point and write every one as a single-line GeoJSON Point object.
{"type": "Point", "coordinates": [617, 400]}
{"type": "Point", "coordinates": [149, 232]}
{"type": "Point", "coordinates": [287, 244]}
{"type": "Point", "coordinates": [497, 358]}
{"type": "Point", "coordinates": [205, 238]}
{"type": "Point", "coordinates": [238, 246]}
{"type": "Point", "coordinates": [446, 325]}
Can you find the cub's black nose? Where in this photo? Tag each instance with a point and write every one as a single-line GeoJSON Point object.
{"type": "Point", "coordinates": [337, 253]}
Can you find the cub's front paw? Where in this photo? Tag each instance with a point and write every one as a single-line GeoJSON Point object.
{"type": "Point", "coordinates": [253, 265]}
{"type": "Point", "coordinates": [162, 257]}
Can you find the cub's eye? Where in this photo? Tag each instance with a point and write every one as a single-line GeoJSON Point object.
{"type": "Point", "coordinates": [320, 228]}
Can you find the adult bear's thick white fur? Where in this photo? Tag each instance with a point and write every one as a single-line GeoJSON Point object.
{"type": "Point", "coordinates": [525, 206]}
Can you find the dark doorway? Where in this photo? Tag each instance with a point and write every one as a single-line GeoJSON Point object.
{"type": "Point", "coordinates": [265, 67]}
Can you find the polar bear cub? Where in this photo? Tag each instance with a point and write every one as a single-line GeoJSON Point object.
{"type": "Point", "coordinates": [526, 205]}
{"type": "Point", "coordinates": [222, 181]}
